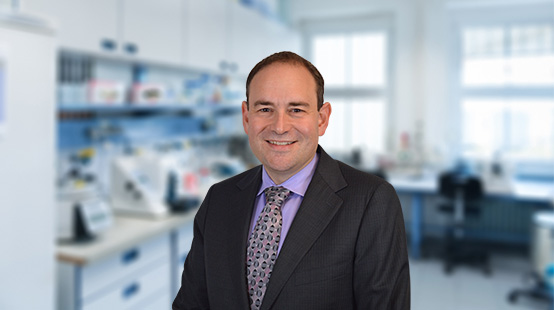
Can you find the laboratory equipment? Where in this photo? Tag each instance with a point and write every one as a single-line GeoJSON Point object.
{"type": "Point", "coordinates": [137, 187]}
{"type": "Point", "coordinates": [82, 218]}
{"type": "Point", "coordinates": [154, 183]}
{"type": "Point", "coordinates": [82, 214]}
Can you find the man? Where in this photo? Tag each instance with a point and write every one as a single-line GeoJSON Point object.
{"type": "Point", "coordinates": [302, 231]}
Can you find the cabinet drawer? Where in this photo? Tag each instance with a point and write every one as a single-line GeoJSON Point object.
{"type": "Point", "coordinates": [185, 235]}
{"type": "Point", "coordinates": [132, 293]}
{"type": "Point", "coordinates": [163, 300]}
{"type": "Point", "coordinates": [126, 263]}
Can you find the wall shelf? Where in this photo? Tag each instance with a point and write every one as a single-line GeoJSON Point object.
{"type": "Point", "coordinates": [86, 111]}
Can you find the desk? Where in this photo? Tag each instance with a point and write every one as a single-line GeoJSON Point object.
{"type": "Point", "coordinates": [418, 187]}
{"type": "Point", "coordinates": [136, 263]}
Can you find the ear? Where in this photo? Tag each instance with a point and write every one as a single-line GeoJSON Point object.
{"type": "Point", "coordinates": [245, 117]}
{"type": "Point", "coordinates": [324, 114]}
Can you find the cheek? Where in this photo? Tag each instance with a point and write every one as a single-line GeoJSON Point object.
{"type": "Point", "coordinates": [256, 127]}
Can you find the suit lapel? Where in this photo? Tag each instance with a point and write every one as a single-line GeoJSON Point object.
{"type": "Point", "coordinates": [241, 206]}
{"type": "Point", "coordinates": [318, 208]}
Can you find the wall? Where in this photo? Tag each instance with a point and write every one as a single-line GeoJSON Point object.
{"type": "Point", "coordinates": [27, 171]}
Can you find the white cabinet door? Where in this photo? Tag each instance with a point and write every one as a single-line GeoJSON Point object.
{"type": "Point", "coordinates": [132, 292]}
{"type": "Point", "coordinates": [281, 38]}
{"type": "Point", "coordinates": [152, 30]}
{"type": "Point", "coordinates": [87, 25]}
{"type": "Point", "coordinates": [206, 34]}
{"type": "Point", "coordinates": [248, 32]}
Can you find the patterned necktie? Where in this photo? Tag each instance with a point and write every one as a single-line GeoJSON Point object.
{"type": "Point", "coordinates": [263, 244]}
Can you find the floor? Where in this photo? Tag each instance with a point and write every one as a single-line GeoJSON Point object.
{"type": "Point", "coordinates": [470, 289]}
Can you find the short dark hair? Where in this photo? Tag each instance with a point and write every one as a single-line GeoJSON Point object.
{"type": "Point", "coordinates": [289, 58]}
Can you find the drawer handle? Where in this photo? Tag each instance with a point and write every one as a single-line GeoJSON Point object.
{"type": "Point", "coordinates": [130, 256]}
{"type": "Point", "coordinates": [131, 48]}
{"type": "Point", "coordinates": [108, 45]}
{"type": "Point", "coordinates": [130, 290]}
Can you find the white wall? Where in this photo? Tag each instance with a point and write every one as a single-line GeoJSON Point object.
{"type": "Point", "coordinates": [27, 171]}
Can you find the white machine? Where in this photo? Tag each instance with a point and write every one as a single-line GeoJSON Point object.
{"type": "Point", "coordinates": [137, 187]}
{"type": "Point", "coordinates": [153, 183]}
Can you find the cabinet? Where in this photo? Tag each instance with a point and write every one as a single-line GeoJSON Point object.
{"type": "Point", "coordinates": [248, 30]}
{"type": "Point", "coordinates": [153, 29]}
{"type": "Point", "coordinates": [88, 25]}
{"type": "Point", "coordinates": [223, 35]}
{"type": "Point", "coordinates": [206, 37]}
{"type": "Point", "coordinates": [213, 35]}
{"type": "Point", "coordinates": [281, 38]}
{"type": "Point", "coordinates": [128, 279]}
{"type": "Point", "coordinates": [147, 30]}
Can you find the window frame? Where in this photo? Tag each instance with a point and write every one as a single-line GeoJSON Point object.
{"type": "Point", "coordinates": [382, 23]}
{"type": "Point", "coordinates": [505, 15]}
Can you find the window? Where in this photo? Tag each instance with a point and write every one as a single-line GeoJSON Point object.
{"type": "Point", "coordinates": [354, 66]}
{"type": "Point", "coordinates": [507, 90]}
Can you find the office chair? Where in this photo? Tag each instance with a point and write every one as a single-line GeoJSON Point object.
{"type": "Point", "coordinates": [461, 194]}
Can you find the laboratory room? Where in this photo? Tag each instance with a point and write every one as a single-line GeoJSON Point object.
{"type": "Point", "coordinates": [117, 116]}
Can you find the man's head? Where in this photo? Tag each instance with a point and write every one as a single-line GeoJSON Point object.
{"type": "Point", "coordinates": [282, 118]}
{"type": "Point", "coordinates": [293, 59]}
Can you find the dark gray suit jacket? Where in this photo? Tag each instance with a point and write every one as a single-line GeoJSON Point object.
{"type": "Point", "coordinates": [346, 248]}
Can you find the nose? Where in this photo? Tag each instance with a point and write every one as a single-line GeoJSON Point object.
{"type": "Point", "coordinates": [281, 123]}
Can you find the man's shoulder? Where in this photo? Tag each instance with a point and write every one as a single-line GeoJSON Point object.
{"type": "Point", "coordinates": [351, 173]}
{"type": "Point", "coordinates": [363, 180]}
{"type": "Point", "coordinates": [241, 178]}
{"type": "Point", "coordinates": [365, 184]}
{"type": "Point", "coordinates": [341, 176]}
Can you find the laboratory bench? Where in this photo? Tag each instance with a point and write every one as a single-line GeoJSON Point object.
{"type": "Point", "coordinates": [508, 191]}
{"type": "Point", "coordinates": [137, 264]}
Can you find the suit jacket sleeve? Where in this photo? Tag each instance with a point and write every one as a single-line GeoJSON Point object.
{"type": "Point", "coordinates": [193, 292]}
{"type": "Point", "coordinates": [381, 271]}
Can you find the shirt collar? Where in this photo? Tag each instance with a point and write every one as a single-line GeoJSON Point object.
{"type": "Point", "coordinates": [298, 183]}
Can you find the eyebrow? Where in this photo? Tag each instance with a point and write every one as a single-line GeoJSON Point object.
{"type": "Point", "coordinates": [294, 104]}
{"type": "Point", "coordinates": [264, 103]}
{"type": "Point", "coordinates": [299, 104]}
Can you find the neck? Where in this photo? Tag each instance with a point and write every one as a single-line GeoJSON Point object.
{"type": "Point", "coordinates": [278, 178]}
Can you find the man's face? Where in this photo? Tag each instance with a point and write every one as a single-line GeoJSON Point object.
{"type": "Point", "coordinates": [282, 122]}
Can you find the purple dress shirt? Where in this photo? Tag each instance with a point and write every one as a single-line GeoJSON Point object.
{"type": "Point", "coordinates": [297, 184]}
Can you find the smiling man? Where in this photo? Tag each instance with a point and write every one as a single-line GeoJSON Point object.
{"type": "Point", "coordinates": [301, 231]}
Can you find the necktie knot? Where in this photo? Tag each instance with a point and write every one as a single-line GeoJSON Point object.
{"type": "Point", "coordinates": [277, 194]}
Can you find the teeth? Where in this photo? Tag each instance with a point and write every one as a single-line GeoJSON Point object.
{"type": "Point", "coordinates": [280, 143]}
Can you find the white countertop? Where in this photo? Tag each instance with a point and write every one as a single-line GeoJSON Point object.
{"type": "Point", "coordinates": [126, 232]}
{"type": "Point", "coordinates": [514, 189]}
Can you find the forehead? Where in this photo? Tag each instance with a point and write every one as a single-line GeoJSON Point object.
{"type": "Point", "coordinates": [283, 80]}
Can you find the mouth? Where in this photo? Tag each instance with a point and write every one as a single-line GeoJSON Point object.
{"type": "Point", "coordinates": [280, 142]}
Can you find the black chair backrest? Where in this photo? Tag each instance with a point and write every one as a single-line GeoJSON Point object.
{"type": "Point", "coordinates": [473, 189]}
{"type": "Point", "coordinates": [450, 183]}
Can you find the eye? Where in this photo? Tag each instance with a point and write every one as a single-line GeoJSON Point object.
{"type": "Point", "coordinates": [264, 110]}
{"type": "Point", "coordinates": [295, 110]}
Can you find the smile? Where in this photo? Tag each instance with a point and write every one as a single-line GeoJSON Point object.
{"type": "Point", "coordinates": [279, 142]}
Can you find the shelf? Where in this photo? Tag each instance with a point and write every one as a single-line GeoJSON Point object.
{"type": "Point", "coordinates": [92, 110]}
